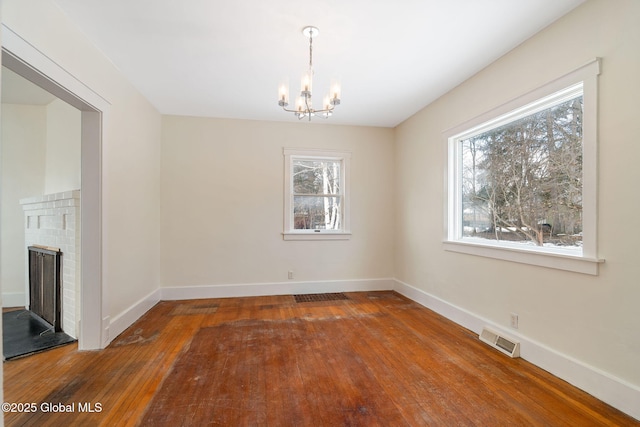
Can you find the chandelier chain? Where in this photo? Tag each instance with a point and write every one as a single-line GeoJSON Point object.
{"type": "Point", "coordinates": [311, 50]}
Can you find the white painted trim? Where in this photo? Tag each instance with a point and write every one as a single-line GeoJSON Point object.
{"type": "Point", "coordinates": [319, 235]}
{"type": "Point", "coordinates": [602, 385]}
{"type": "Point", "coordinates": [276, 288]}
{"type": "Point", "coordinates": [587, 73]}
{"type": "Point", "coordinates": [526, 255]}
{"type": "Point", "coordinates": [36, 66]}
{"type": "Point", "coordinates": [93, 295]}
{"type": "Point", "coordinates": [14, 299]}
{"type": "Point", "coordinates": [41, 64]}
{"type": "Point", "coordinates": [128, 317]}
{"type": "Point", "coordinates": [585, 77]}
{"type": "Point", "coordinates": [344, 157]}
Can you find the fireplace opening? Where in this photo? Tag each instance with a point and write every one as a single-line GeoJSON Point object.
{"type": "Point", "coordinates": [37, 327]}
{"type": "Point", "coordinates": [45, 284]}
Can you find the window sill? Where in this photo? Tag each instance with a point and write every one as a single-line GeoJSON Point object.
{"type": "Point", "coordinates": [310, 235]}
{"type": "Point", "coordinates": [575, 263]}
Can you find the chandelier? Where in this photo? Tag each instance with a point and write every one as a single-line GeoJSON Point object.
{"type": "Point", "coordinates": [304, 107]}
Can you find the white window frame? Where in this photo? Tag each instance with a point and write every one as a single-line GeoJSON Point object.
{"type": "Point", "coordinates": [344, 157]}
{"type": "Point", "coordinates": [585, 261]}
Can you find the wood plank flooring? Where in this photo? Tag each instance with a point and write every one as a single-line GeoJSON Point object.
{"type": "Point", "coordinates": [374, 359]}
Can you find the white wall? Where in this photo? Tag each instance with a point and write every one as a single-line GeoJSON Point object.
{"type": "Point", "coordinates": [130, 152]}
{"type": "Point", "coordinates": [62, 163]}
{"type": "Point", "coordinates": [41, 155]}
{"type": "Point", "coordinates": [594, 320]}
{"type": "Point", "coordinates": [222, 203]}
{"type": "Point", "coordinates": [23, 175]}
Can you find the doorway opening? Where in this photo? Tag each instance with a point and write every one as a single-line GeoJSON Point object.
{"type": "Point", "coordinates": [47, 75]}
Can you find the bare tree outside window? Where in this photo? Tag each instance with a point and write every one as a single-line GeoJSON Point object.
{"type": "Point", "coordinates": [317, 194]}
{"type": "Point", "coordinates": [522, 181]}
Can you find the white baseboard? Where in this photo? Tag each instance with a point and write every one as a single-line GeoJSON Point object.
{"type": "Point", "coordinates": [122, 321]}
{"type": "Point", "coordinates": [14, 299]}
{"type": "Point", "coordinates": [278, 288]}
{"type": "Point", "coordinates": [602, 385]}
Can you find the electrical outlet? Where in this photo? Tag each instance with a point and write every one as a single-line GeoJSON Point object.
{"type": "Point", "coordinates": [290, 275]}
{"type": "Point", "coordinates": [514, 320]}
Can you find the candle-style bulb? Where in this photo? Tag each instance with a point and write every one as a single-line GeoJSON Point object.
{"type": "Point", "coordinates": [306, 83]}
{"type": "Point", "coordinates": [335, 92]}
{"type": "Point", "coordinates": [283, 94]}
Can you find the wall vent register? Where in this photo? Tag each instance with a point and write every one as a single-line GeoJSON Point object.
{"type": "Point", "coordinates": [506, 345]}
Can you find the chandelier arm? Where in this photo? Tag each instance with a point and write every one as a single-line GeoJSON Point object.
{"type": "Point", "coordinates": [289, 111]}
{"type": "Point", "coordinates": [324, 110]}
{"type": "Point", "coordinates": [320, 113]}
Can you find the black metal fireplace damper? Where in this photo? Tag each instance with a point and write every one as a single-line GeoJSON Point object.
{"type": "Point", "coordinates": [44, 284]}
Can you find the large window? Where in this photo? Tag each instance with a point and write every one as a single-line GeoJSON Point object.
{"type": "Point", "coordinates": [316, 203]}
{"type": "Point", "coordinates": [522, 179]}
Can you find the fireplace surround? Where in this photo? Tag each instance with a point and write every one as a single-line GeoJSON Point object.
{"type": "Point", "coordinates": [54, 220]}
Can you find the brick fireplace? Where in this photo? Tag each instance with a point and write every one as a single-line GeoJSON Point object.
{"type": "Point", "coordinates": [54, 220]}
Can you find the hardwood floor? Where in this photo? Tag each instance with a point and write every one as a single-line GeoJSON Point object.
{"type": "Point", "coordinates": [374, 359]}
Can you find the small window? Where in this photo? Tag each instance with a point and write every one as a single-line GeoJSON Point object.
{"type": "Point", "coordinates": [522, 178]}
{"type": "Point", "coordinates": [316, 191]}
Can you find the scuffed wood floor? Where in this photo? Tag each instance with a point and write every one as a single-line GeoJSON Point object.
{"type": "Point", "coordinates": [375, 359]}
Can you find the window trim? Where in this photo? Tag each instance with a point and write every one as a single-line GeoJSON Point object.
{"type": "Point", "coordinates": [344, 157]}
{"type": "Point", "coordinates": [587, 262]}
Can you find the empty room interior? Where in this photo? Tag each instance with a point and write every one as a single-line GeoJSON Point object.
{"type": "Point", "coordinates": [423, 229]}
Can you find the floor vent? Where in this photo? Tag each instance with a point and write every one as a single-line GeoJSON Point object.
{"type": "Point", "coordinates": [320, 297]}
{"type": "Point", "coordinates": [507, 345]}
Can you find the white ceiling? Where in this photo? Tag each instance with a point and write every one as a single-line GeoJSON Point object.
{"type": "Point", "coordinates": [226, 58]}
